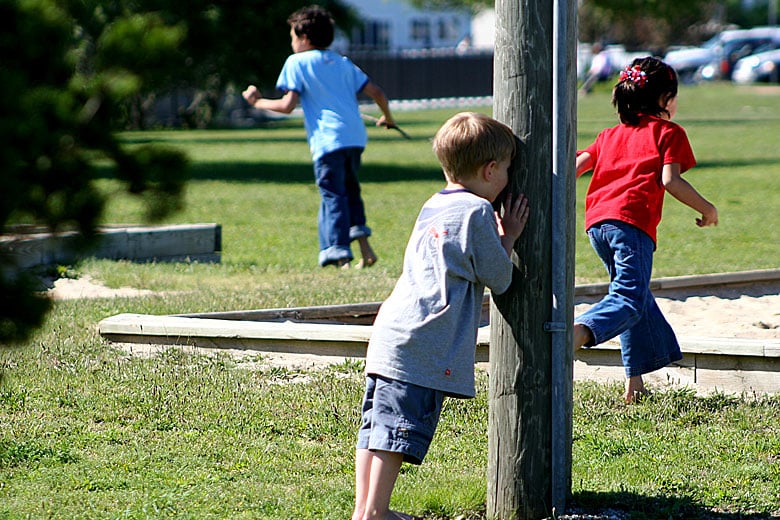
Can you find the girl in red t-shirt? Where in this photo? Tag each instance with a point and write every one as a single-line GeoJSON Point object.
{"type": "Point", "coordinates": [633, 164]}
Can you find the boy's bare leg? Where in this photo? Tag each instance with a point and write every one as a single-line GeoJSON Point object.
{"type": "Point", "coordinates": [375, 476]}
{"type": "Point", "coordinates": [582, 336]}
{"type": "Point", "coordinates": [369, 257]}
{"type": "Point", "coordinates": [635, 389]}
{"type": "Point", "coordinates": [363, 460]}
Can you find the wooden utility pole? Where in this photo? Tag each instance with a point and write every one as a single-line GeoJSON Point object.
{"type": "Point", "coordinates": [529, 446]}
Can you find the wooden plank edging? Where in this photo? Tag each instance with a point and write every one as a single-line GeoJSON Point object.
{"type": "Point", "coordinates": [152, 327]}
{"type": "Point", "coordinates": [166, 243]}
{"type": "Point", "coordinates": [698, 280]}
{"type": "Point", "coordinates": [736, 365]}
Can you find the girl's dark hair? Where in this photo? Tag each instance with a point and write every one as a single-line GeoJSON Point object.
{"type": "Point", "coordinates": [644, 88]}
{"type": "Point", "coordinates": [315, 23]}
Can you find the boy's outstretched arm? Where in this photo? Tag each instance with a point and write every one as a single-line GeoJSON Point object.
{"type": "Point", "coordinates": [284, 104]}
{"type": "Point", "coordinates": [681, 190]}
{"type": "Point", "coordinates": [512, 223]}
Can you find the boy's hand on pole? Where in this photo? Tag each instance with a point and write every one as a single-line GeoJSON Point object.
{"type": "Point", "coordinates": [512, 222]}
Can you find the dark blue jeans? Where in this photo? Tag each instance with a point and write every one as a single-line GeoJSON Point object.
{"type": "Point", "coordinates": [647, 341]}
{"type": "Point", "coordinates": [342, 217]}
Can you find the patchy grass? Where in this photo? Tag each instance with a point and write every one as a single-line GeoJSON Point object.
{"type": "Point", "coordinates": [88, 432]}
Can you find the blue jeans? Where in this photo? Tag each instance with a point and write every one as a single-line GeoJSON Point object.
{"type": "Point", "coordinates": [647, 341]}
{"type": "Point", "coordinates": [341, 217]}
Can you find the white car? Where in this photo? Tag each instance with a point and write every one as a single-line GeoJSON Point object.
{"type": "Point", "coordinates": [716, 57]}
{"type": "Point", "coordinates": [761, 67]}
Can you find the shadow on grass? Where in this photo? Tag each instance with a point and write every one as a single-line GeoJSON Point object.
{"type": "Point", "coordinates": [295, 173]}
{"type": "Point", "coordinates": [226, 138]}
{"type": "Point", "coordinates": [738, 163]}
{"type": "Point", "coordinates": [265, 134]}
{"type": "Point", "coordinates": [631, 506]}
{"type": "Point", "coordinates": [290, 173]}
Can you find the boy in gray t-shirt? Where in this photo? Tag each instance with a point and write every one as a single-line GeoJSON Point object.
{"type": "Point", "coordinates": [424, 337]}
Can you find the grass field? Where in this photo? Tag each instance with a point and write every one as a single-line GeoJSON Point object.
{"type": "Point", "coordinates": [89, 432]}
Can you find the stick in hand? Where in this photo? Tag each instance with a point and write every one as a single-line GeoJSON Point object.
{"type": "Point", "coordinates": [394, 127]}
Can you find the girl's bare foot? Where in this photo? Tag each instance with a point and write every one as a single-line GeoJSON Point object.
{"type": "Point", "coordinates": [369, 257]}
{"type": "Point", "coordinates": [343, 263]}
{"type": "Point", "coordinates": [635, 390]}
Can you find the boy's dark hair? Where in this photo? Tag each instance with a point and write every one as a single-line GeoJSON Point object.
{"type": "Point", "coordinates": [645, 86]}
{"type": "Point", "coordinates": [315, 23]}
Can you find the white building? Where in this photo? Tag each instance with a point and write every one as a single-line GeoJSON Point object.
{"type": "Point", "coordinates": [395, 25]}
{"type": "Point", "coordinates": [483, 29]}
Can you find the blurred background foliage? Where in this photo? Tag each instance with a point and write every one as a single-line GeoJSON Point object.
{"type": "Point", "coordinates": [641, 24]}
{"type": "Point", "coordinates": [74, 72]}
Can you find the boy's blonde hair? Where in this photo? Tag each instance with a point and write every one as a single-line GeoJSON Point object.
{"type": "Point", "coordinates": [468, 140]}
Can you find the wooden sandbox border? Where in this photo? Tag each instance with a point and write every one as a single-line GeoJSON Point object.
{"type": "Point", "coordinates": [28, 248]}
{"type": "Point", "coordinates": [730, 365]}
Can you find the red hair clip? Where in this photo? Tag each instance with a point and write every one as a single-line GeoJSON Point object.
{"type": "Point", "coordinates": [635, 74]}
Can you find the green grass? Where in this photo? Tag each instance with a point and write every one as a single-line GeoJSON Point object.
{"type": "Point", "coordinates": [734, 134]}
{"type": "Point", "coordinates": [87, 431]}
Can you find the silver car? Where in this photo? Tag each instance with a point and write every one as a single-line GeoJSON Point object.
{"type": "Point", "coordinates": [761, 67]}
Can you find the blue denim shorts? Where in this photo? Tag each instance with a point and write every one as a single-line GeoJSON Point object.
{"type": "Point", "coordinates": [399, 417]}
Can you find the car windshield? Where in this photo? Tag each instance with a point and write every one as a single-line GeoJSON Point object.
{"type": "Point", "coordinates": [712, 42]}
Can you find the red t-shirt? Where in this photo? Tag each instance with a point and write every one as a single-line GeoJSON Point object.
{"type": "Point", "coordinates": [627, 164]}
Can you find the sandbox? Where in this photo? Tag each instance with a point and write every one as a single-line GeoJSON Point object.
{"type": "Point", "coordinates": [729, 364]}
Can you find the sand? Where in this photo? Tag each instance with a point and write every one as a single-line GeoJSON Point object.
{"type": "Point", "coordinates": [746, 311]}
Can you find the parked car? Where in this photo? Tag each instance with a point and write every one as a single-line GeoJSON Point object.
{"type": "Point", "coordinates": [617, 57]}
{"type": "Point", "coordinates": [761, 67]}
{"type": "Point", "coordinates": [687, 60]}
{"type": "Point", "coordinates": [715, 59]}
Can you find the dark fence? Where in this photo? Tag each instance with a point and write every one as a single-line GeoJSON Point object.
{"type": "Point", "coordinates": [429, 74]}
{"type": "Point", "coordinates": [409, 75]}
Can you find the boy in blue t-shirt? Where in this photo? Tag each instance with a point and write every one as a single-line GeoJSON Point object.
{"type": "Point", "coordinates": [327, 85]}
{"type": "Point", "coordinates": [424, 337]}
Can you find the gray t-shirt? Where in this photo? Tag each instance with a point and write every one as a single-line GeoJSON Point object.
{"type": "Point", "coordinates": [426, 332]}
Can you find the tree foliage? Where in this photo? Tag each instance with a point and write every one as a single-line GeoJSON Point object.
{"type": "Point", "coordinates": [473, 5]}
{"type": "Point", "coordinates": [74, 71]}
{"type": "Point", "coordinates": [58, 110]}
{"type": "Point", "coordinates": [220, 42]}
{"type": "Point", "coordinates": [641, 24]}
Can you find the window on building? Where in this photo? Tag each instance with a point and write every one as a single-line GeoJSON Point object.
{"type": "Point", "coordinates": [372, 35]}
{"type": "Point", "coordinates": [449, 29]}
{"type": "Point", "coordinates": [421, 31]}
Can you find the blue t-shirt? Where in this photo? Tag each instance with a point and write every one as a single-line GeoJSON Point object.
{"type": "Point", "coordinates": [426, 332]}
{"type": "Point", "coordinates": [327, 84]}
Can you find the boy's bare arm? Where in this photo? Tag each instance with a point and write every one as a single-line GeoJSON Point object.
{"type": "Point", "coordinates": [284, 104]}
{"type": "Point", "coordinates": [512, 223]}
{"type": "Point", "coordinates": [681, 190]}
{"type": "Point", "coordinates": [373, 91]}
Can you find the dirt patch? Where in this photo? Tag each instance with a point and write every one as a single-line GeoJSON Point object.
{"type": "Point", "coordinates": [86, 287]}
